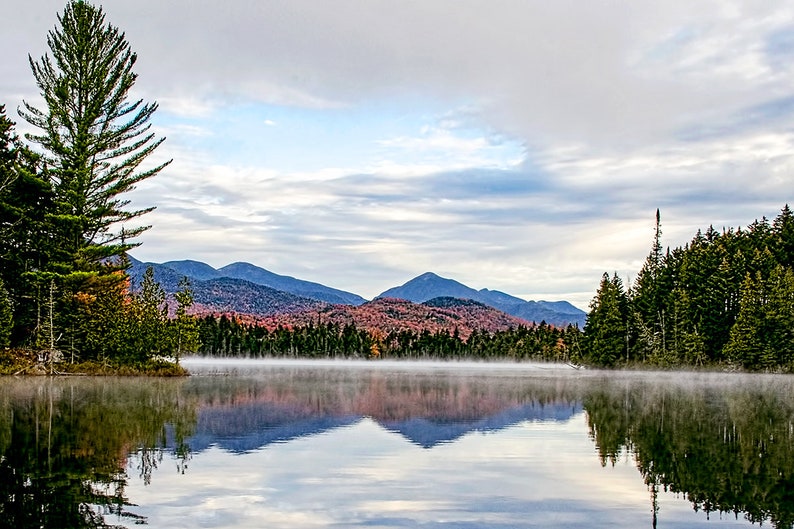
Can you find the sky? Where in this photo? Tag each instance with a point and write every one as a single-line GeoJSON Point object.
{"type": "Point", "coordinates": [516, 145]}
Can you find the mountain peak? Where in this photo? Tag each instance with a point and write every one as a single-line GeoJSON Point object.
{"type": "Point", "coordinates": [428, 286]}
{"type": "Point", "coordinates": [193, 269]}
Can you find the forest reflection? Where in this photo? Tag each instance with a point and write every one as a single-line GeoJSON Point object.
{"type": "Point", "coordinates": [724, 442]}
{"type": "Point", "coordinates": [64, 445]}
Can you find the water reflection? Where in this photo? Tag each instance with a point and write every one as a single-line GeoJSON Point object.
{"type": "Point", "coordinates": [474, 447]}
{"type": "Point", "coordinates": [244, 413]}
{"type": "Point", "coordinates": [725, 442]}
{"type": "Point", "coordinates": [64, 444]}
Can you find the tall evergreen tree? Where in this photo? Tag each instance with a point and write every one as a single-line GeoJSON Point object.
{"type": "Point", "coordinates": [646, 295]}
{"type": "Point", "coordinates": [26, 242]}
{"type": "Point", "coordinates": [147, 320]}
{"type": "Point", "coordinates": [8, 144]}
{"type": "Point", "coordinates": [94, 138]}
{"type": "Point", "coordinates": [783, 233]}
{"type": "Point", "coordinates": [185, 326]}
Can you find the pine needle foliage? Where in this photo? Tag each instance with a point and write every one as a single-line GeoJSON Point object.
{"type": "Point", "coordinates": [94, 138]}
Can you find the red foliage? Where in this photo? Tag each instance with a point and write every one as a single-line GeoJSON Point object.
{"type": "Point", "coordinates": [382, 316]}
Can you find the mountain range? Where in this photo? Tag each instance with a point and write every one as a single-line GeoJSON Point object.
{"type": "Point", "coordinates": [244, 288]}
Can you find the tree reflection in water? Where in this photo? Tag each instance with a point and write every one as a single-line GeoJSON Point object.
{"type": "Point", "coordinates": [64, 445]}
{"type": "Point", "coordinates": [727, 443]}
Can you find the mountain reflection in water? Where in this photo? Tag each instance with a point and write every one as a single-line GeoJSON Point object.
{"type": "Point", "coordinates": [75, 452]}
{"type": "Point", "coordinates": [246, 414]}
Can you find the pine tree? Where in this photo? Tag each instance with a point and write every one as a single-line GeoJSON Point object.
{"type": "Point", "coordinates": [779, 319]}
{"type": "Point", "coordinates": [147, 327]}
{"type": "Point", "coordinates": [646, 300]}
{"type": "Point", "coordinates": [26, 244]}
{"type": "Point", "coordinates": [745, 345]}
{"type": "Point", "coordinates": [8, 144]}
{"type": "Point", "coordinates": [94, 138]}
{"type": "Point", "coordinates": [94, 142]}
{"type": "Point", "coordinates": [783, 233]}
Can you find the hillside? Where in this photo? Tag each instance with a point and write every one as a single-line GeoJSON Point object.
{"type": "Point", "coordinates": [243, 297]}
{"type": "Point", "coordinates": [385, 315]}
{"type": "Point", "coordinates": [198, 271]}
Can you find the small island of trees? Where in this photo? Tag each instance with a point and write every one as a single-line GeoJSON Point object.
{"type": "Point", "coordinates": [65, 226]}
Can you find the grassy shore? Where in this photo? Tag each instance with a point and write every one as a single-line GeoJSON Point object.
{"type": "Point", "coordinates": [28, 362]}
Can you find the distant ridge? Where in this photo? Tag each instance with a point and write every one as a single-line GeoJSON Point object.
{"type": "Point", "coordinates": [193, 269]}
{"type": "Point", "coordinates": [245, 288]}
{"type": "Point", "coordinates": [197, 270]}
{"type": "Point", "coordinates": [429, 286]}
{"type": "Point", "coordinates": [224, 294]}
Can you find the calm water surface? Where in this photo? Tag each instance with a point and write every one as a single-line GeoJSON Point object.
{"type": "Point", "coordinates": [249, 444]}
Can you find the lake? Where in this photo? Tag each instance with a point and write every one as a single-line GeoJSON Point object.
{"type": "Point", "coordinates": [393, 445]}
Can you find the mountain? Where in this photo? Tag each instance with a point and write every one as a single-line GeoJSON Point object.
{"type": "Point", "coordinates": [167, 277]}
{"type": "Point", "coordinates": [169, 273]}
{"type": "Point", "coordinates": [429, 285]}
{"type": "Point", "coordinates": [193, 269]}
{"type": "Point", "coordinates": [248, 289]}
{"type": "Point", "coordinates": [243, 297]}
{"type": "Point", "coordinates": [260, 276]}
{"type": "Point", "coordinates": [223, 294]}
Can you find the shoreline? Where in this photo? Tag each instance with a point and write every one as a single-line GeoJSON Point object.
{"type": "Point", "coordinates": [28, 362]}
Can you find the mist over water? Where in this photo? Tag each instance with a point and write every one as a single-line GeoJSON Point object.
{"type": "Point", "coordinates": [345, 444]}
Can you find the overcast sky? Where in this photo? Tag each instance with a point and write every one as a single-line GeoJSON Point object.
{"type": "Point", "coordinates": [516, 145]}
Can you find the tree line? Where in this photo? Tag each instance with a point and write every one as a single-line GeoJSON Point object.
{"type": "Point", "coordinates": [225, 336]}
{"type": "Point", "coordinates": [65, 226]}
{"type": "Point", "coordinates": [725, 298]}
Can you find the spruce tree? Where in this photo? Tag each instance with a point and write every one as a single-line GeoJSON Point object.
{"type": "Point", "coordinates": [26, 244]}
{"type": "Point", "coordinates": [8, 143]}
{"type": "Point", "coordinates": [185, 326]}
{"type": "Point", "coordinates": [605, 333]}
{"type": "Point", "coordinates": [147, 320]}
{"type": "Point", "coordinates": [647, 303]}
